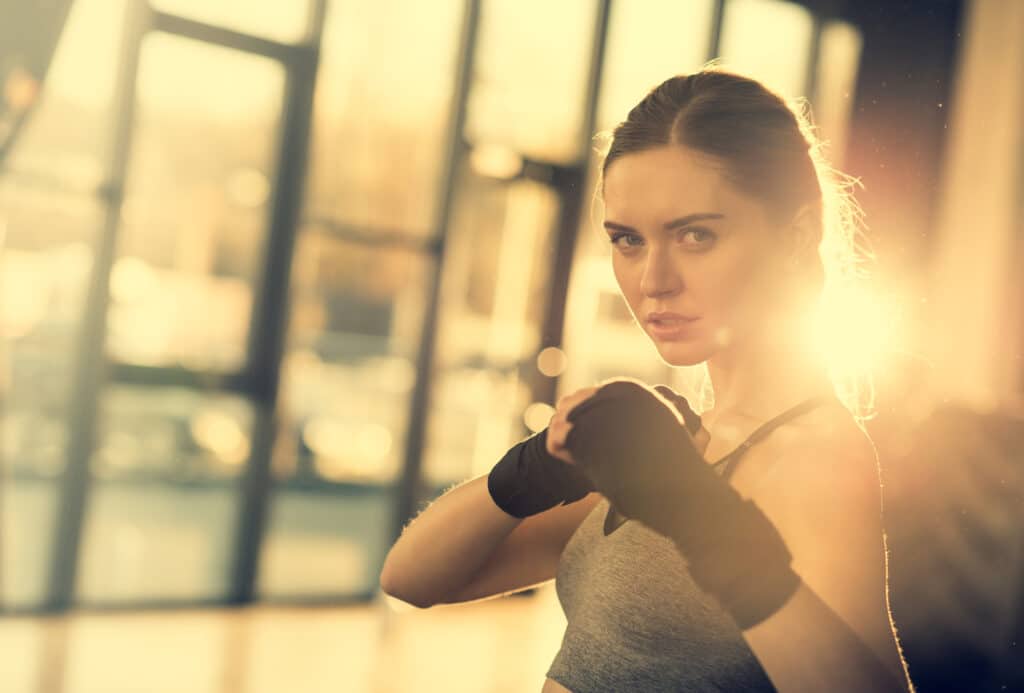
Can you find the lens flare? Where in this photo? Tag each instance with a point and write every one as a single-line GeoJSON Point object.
{"type": "Point", "coordinates": [856, 329]}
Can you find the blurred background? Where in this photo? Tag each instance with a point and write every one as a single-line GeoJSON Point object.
{"type": "Point", "coordinates": [274, 274]}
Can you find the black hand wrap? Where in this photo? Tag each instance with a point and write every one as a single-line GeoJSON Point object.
{"type": "Point", "coordinates": [634, 447]}
{"type": "Point", "coordinates": [528, 480]}
{"type": "Point", "coordinates": [691, 419]}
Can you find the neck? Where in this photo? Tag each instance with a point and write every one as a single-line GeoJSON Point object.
{"type": "Point", "coordinates": [763, 377]}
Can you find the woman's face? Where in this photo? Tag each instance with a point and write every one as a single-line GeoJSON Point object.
{"type": "Point", "coordinates": [686, 241]}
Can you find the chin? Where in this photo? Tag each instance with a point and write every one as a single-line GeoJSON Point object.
{"type": "Point", "coordinates": [684, 353]}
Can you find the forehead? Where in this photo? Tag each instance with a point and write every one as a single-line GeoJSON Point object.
{"type": "Point", "coordinates": [658, 184]}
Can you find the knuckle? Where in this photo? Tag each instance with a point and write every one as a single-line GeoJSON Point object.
{"type": "Point", "coordinates": [551, 445]}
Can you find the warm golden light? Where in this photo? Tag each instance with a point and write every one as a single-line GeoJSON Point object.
{"type": "Point", "coordinates": [229, 86]}
{"type": "Point", "coordinates": [326, 436]}
{"type": "Point", "coordinates": [644, 49]}
{"type": "Point", "coordinates": [248, 187]}
{"type": "Point", "coordinates": [373, 442]}
{"type": "Point", "coordinates": [132, 279]}
{"type": "Point", "coordinates": [769, 41]}
{"type": "Point", "coordinates": [855, 328]}
{"type": "Point", "coordinates": [345, 450]}
{"type": "Point", "coordinates": [551, 361]}
{"type": "Point", "coordinates": [22, 311]}
{"type": "Point", "coordinates": [20, 90]}
{"type": "Point", "coordinates": [283, 21]}
{"type": "Point", "coordinates": [537, 416]}
{"type": "Point", "coordinates": [495, 161]}
{"type": "Point", "coordinates": [221, 435]}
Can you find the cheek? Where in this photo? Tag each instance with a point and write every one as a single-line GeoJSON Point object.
{"type": "Point", "coordinates": [735, 289]}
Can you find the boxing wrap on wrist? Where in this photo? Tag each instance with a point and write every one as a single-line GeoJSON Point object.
{"type": "Point", "coordinates": [528, 480]}
{"type": "Point", "coordinates": [634, 447]}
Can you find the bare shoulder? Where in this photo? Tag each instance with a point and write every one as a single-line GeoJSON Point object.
{"type": "Point", "coordinates": [823, 494]}
{"type": "Point", "coordinates": [822, 490]}
{"type": "Point", "coordinates": [820, 485]}
{"type": "Point", "coordinates": [824, 451]}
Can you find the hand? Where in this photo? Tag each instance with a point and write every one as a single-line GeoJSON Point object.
{"type": "Point", "coordinates": [636, 451]}
{"type": "Point", "coordinates": [628, 439]}
{"type": "Point", "coordinates": [559, 425]}
{"type": "Point", "coordinates": [538, 473]}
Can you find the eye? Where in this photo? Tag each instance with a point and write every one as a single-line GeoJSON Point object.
{"type": "Point", "coordinates": [702, 236]}
{"type": "Point", "coordinates": [614, 240]}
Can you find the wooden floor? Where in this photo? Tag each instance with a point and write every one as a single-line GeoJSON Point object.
{"type": "Point", "coordinates": [503, 644]}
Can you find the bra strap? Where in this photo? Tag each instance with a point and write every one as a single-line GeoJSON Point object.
{"type": "Point", "coordinates": [613, 520]}
{"type": "Point", "coordinates": [764, 429]}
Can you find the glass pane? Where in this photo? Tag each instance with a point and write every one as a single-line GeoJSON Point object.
{"type": "Point", "coordinates": [836, 81]}
{"type": "Point", "coordinates": [381, 112]}
{"type": "Point", "coordinates": [282, 20]}
{"type": "Point", "coordinates": [28, 512]}
{"type": "Point", "coordinates": [770, 41]}
{"type": "Point", "coordinates": [348, 373]}
{"type": "Point", "coordinates": [648, 42]}
{"type": "Point", "coordinates": [171, 434]}
{"type": "Point", "coordinates": [494, 296]}
{"type": "Point", "coordinates": [68, 134]}
{"type": "Point", "coordinates": [162, 511]}
{"type": "Point", "coordinates": [325, 544]}
{"type": "Point", "coordinates": [194, 215]}
{"type": "Point", "coordinates": [530, 76]}
{"type": "Point", "coordinates": [349, 368]}
{"type": "Point", "coordinates": [44, 275]}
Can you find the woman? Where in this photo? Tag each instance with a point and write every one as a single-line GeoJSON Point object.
{"type": "Point", "coordinates": [677, 573]}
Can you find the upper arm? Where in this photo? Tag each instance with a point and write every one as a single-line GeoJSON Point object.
{"type": "Point", "coordinates": [529, 555]}
{"type": "Point", "coordinates": [825, 500]}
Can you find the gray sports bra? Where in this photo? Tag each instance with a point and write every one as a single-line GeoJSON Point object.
{"type": "Point", "coordinates": [636, 621]}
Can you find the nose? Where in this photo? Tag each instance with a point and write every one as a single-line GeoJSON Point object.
{"type": "Point", "coordinates": [660, 277]}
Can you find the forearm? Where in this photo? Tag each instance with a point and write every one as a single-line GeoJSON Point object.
{"type": "Point", "coordinates": [806, 646]}
{"type": "Point", "coordinates": [446, 545]}
{"type": "Point", "coordinates": [733, 550]}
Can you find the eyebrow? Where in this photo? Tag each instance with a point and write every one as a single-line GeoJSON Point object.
{"type": "Point", "coordinates": [668, 226]}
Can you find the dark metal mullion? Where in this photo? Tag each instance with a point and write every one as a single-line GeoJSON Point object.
{"type": "Point", "coordinates": [171, 376]}
{"type": "Point", "coordinates": [407, 492]}
{"type": "Point", "coordinates": [88, 373]}
{"type": "Point", "coordinates": [368, 237]}
{"type": "Point", "coordinates": [717, 19]}
{"type": "Point", "coordinates": [269, 320]}
{"type": "Point", "coordinates": [315, 22]}
{"type": "Point", "coordinates": [286, 53]}
{"type": "Point", "coordinates": [570, 185]}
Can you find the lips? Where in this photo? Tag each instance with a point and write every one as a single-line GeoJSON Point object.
{"type": "Point", "coordinates": [672, 329]}
{"type": "Point", "coordinates": [669, 318]}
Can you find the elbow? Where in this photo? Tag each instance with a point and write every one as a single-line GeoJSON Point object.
{"type": "Point", "coordinates": [390, 587]}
